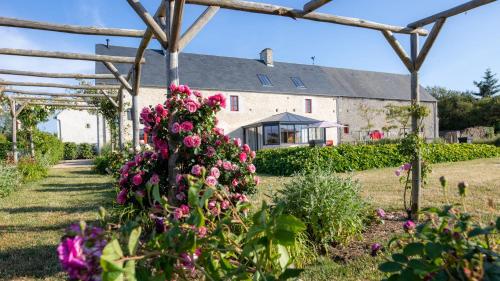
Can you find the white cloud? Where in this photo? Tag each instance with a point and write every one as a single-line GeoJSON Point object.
{"type": "Point", "coordinates": [88, 11]}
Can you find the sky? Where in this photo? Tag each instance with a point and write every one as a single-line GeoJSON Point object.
{"type": "Point", "coordinates": [467, 45]}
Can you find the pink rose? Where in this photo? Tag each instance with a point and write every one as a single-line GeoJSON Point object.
{"type": "Point", "coordinates": [409, 225]}
{"type": "Point", "coordinates": [251, 168]}
{"type": "Point", "coordinates": [227, 165]}
{"type": "Point", "coordinates": [155, 179]}
{"type": "Point", "coordinates": [235, 182]}
{"type": "Point", "coordinates": [196, 170]}
{"type": "Point", "coordinates": [121, 198]}
{"type": "Point", "coordinates": [210, 152]}
{"type": "Point", "coordinates": [406, 167]}
{"type": "Point", "coordinates": [185, 209]}
{"type": "Point", "coordinates": [397, 172]}
{"type": "Point", "coordinates": [178, 178]}
{"type": "Point", "coordinates": [123, 181]}
{"type": "Point", "coordinates": [256, 180]}
{"type": "Point", "coordinates": [243, 157]}
{"type": "Point", "coordinates": [237, 142]}
{"type": "Point", "coordinates": [211, 181]}
{"type": "Point", "coordinates": [252, 154]}
{"type": "Point", "coordinates": [192, 141]}
{"type": "Point", "coordinates": [172, 87]}
{"type": "Point", "coordinates": [71, 256]}
{"type": "Point", "coordinates": [197, 94]}
{"type": "Point", "coordinates": [190, 105]}
{"type": "Point", "coordinates": [137, 179]}
{"type": "Point", "coordinates": [145, 114]}
{"type": "Point", "coordinates": [245, 148]}
{"type": "Point", "coordinates": [225, 205]}
{"type": "Point", "coordinates": [226, 139]}
{"type": "Point", "coordinates": [219, 131]}
{"type": "Point", "coordinates": [214, 172]}
{"type": "Point", "coordinates": [186, 126]}
{"type": "Point", "coordinates": [176, 128]}
{"type": "Point", "coordinates": [212, 204]}
{"type": "Point", "coordinates": [218, 163]}
{"type": "Point", "coordinates": [161, 111]}
{"type": "Point", "coordinates": [217, 100]}
{"type": "Point", "coordinates": [201, 231]}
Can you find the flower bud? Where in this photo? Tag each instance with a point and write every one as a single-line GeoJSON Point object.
{"type": "Point", "coordinates": [409, 225]}
{"type": "Point", "coordinates": [462, 188]}
{"type": "Point", "coordinates": [443, 181]}
{"type": "Point", "coordinates": [375, 248]}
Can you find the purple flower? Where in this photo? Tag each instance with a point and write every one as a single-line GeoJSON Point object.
{"type": "Point", "coordinates": [137, 179]}
{"type": "Point", "coordinates": [196, 170]}
{"type": "Point", "coordinates": [155, 179]}
{"type": "Point", "coordinates": [121, 198]}
{"type": "Point", "coordinates": [375, 248]}
{"type": "Point", "coordinates": [380, 212]}
{"type": "Point", "coordinates": [176, 128]}
{"type": "Point", "coordinates": [406, 167]}
{"type": "Point", "coordinates": [409, 225]}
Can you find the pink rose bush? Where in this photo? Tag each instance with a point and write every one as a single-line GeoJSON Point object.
{"type": "Point", "coordinates": [187, 202]}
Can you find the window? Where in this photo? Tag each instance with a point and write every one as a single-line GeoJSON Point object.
{"type": "Point", "coordinates": [287, 134]}
{"type": "Point", "coordinates": [271, 135]}
{"type": "Point", "coordinates": [298, 83]}
{"type": "Point", "coordinates": [233, 103]}
{"type": "Point", "coordinates": [317, 134]}
{"type": "Point", "coordinates": [309, 106]}
{"type": "Point", "coordinates": [346, 129]}
{"type": "Point", "coordinates": [264, 80]}
{"type": "Point", "coordinates": [87, 126]}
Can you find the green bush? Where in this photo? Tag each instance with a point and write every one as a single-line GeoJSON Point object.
{"type": "Point", "coordinates": [331, 206]}
{"type": "Point", "coordinates": [86, 151]}
{"type": "Point", "coordinates": [345, 157]}
{"type": "Point", "coordinates": [5, 148]}
{"type": "Point", "coordinates": [110, 162]}
{"type": "Point", "coordinates": [33, 170]}
{"type": "Point", "coordinates": [3, 138]}
{"type": "Point", "coordinates": [48, 147]}
{"type": "Point", "coordinates": [9, 179]}
{"type": "Point", "coordinates": [70, 151]}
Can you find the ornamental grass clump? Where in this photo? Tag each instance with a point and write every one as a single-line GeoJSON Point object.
{"type": "Point", "coordinates": [187, 206]}
{"type": "Point", "coordinates": [330, 205]}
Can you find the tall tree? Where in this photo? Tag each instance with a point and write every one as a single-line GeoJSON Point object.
{"type": "Point", "coordinates": [488, 86]}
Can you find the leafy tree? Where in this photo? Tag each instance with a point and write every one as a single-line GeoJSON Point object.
{"type": "Point", "coordinates": [489, 86]}
{"type": "Point", "coordinates": [397, 117]}
{"type": "Point", "coordinates": [368, 114]}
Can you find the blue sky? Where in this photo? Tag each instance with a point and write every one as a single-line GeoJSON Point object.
{"type": "Point", "coordinates": [468, 43]}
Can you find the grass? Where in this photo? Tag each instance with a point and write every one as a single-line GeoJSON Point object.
{"type": "Point", "coordinates": [33, 219]}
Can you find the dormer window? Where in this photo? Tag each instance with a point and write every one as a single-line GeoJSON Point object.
{"type": "Point", "coordinates": [264, 80]}
{"type": "Point", "coordinates": [298, 83]}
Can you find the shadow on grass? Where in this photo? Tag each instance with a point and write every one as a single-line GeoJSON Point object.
{"type": "Point", "coordinates": [63, 187]}
{"type": "Point", "coordinates": [90, 172]}
{"type": "Point", "coordinates": [35, 262]}
{"type": "Point", "coordinates": [45, 209]}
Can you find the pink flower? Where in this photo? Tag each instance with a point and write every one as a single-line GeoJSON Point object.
{"type": "Point", "coordinates": [196, 170]}
{"type": "Point", "coordinates": [186, 126]}
{"type": "Point", "coordinates": [407, 167]}
{"type": "Point", "coordinates": [237, 142]}
{"type": "Point", "coordinates": [225, 205]}
{"type": "Point", "coordinates": [155, 179]}
{"type": "Point", "coordinates": [184, 89]}
{"type": "Point", "coordinates": [137, 179]}
{"type": "Point", "coordinates": [197, 94]}
{"type": "Point", "coordinates": [190, 105]}
{"type": "Point", "coordinates": [176, 128]}
{"type": "Point", "coordinates": [219, 131]}
{"type": "Point", "coordinates": [234, 182]}
{"type": "Point", "coordinates": [123, 181]}
{"type": "Point", "coordinates": [180, 196]}
{"type": "Point", "coordinates": [192, 141]}
{"type": "Point", "coordinates": [375, 248]}
{"type": "Point", "coordinates": [210, 152]}
{"type": "Point", "coordinates": [214, 172]}
{"type": "Point", "coordinates": [243, 157]}
{"type": "Point", "coordinates": [185, 209]}
{"type": "Point", "coordinates": [252, 154]}
{"type": "Point", "coordinates": [173, 88]}
{"type": "Point", "coordinates": [218, 163]}
{"type": "Point", "coordinates": [145, 114]}
{"type": "Point", "coordinates": [201, 231]}
{"type": "Point", "coordinates": [164, 153]}
{"type": "Point", "coordinates": [251, 168]}
{"type": "Point", "coordinates": [71, 256]}
{"type": "Point", "coordinates": [178, 178]}
{"type": "Point", "coordinates": [212, 204]}
{"type": "Point", "coordinates": [226, 138]}
{"type": "Point", "coordinates": [211, 181]}
{"type": "Point", "coordinates": [397, 172]}
{"type": "Point", "coordinates": [217, 100]}
{"type": "Point", "coordinates": [140, 193]}
{"type": "Point", "coordinates": [409, 225]}
{"type": "Point", "coordinates": [245, 148]}
{"type": "Point", "coordinates": [380, 212]}
{"type": "Point", "coordinates": [161, 111]}
{"type": "Point", "coordinates": [177, 214]}
{"type": "Point", "coordinates": [257, 180]}
{"type": "Point", "coordinates": [228, 166]}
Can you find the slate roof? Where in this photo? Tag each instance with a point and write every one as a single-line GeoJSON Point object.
{"type": "Point", "coordinates": [207, 72]}
{"type": "Point", "coordinates": [285, 118]}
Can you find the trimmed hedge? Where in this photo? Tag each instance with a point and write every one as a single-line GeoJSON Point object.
{"type": "Point", "coordinates": [343, 158]}
{"type": "Point", "coordinates": [70, 151]}
{"type": "Point", "coordinates": [86, 151]}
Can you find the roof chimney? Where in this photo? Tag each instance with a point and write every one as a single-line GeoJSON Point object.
{"type": "Point", "coordinates": [266, 56]}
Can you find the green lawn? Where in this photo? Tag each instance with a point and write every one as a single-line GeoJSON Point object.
{"type": "Point", "coordinates": [33, 218]}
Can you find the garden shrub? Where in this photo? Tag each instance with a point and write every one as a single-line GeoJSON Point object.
{"type": "Point", "coordinates": [110, 162]}
{"type": "Point", "coordinates": [48, 146]}
{"type": "Point", "coordinates": [5, 149]}
{"type": "Point", "coordinates": [70, 151]}
{"type": "Point", "coordinates": [31, 169]}
{"type": "Point", "coordinates": [331, 206]}
{"type": "Point", "coordinates": [9, 179]}
{"type": "Point", "coordinates": [190, 197]}
{"type": "Point", "coordinates": [85, 151]}
{"type": "Point", "coordinates": [346, 157]}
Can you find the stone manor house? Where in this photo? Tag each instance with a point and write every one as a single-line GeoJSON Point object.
{"type": "Point", "coordinates": [271, 103]}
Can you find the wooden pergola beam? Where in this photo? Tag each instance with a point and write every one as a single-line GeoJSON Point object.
{"type": "Point", "coordinates": [21, 97]}
{"type": "Point", "coordinates": [24, 92]}
{"type": "Point", "coordinates": [149, 21]}
{"type": "Point", "coordinates": [111, 67]}
{"type": "Point", "coordinates": [313, 5]}
{"type": "Point", "coordinates": [197, 26]}
{"type": "Point", "coordinates": [400, 51]}
{"type": "Point", "coordinates": [429, 42]}
{"type": "Point", "coordinates": [67, 56]}
{"type": "Point", "coordinates": [56, 85]}
{"type": "Point", "coordinates": [75, 29]}
{"type": "Point", "coordinates": [56, 75]}
{"type": "Point", "coordinates": [450, 12]}
{"type": "Point", "coordinates": [175, 28]}
{"type": "Point", "coordinates": [269, 9]}
{"type": "Point", "coordinates": [109, 98]}
{"type": "Point", "coordinates": [64, 105]}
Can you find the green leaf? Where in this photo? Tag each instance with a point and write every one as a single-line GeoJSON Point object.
{"type": "Point", "coordinates": [290, 273]}
{"type": "Point", "coordinates": [284, 257]}
{"type": "Point", "coordinates": [413, 249]}
{"type": "Point", "coordinates": [284, 237]}
{"type": "Point", "coordinates": [433, 250]}
{"type": "Point", "coordinates": [390, 267]}
{"type": "Point", "coordinates": [133, 240]}
{"type": "Point", "coordinates": [110, 254]}
{"type": "Point", "coordinates": [399, 258]}
{"type": "Point", "coordinates": [290, 223]}
{"type": "Point", "coordinates": [112, 276]}
{"type": "Point", "coordinates": [419, 265]}
{"type": "Point", "coordinates": [193, 196]}
{"type": "Point", "coordinates": [156, 193]}
{"type": "Point", "coordinates": [129, 273]}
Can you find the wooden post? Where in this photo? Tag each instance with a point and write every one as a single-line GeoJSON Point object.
{"type": "Point", "coordinates": [14, 130]}
{"type": "Point", "coordinates": [98, 134]}
{"type": "Point", "coordinates": [32, 144]}
{"type": "Point", "coordinates": [135, 105]}
{"type": "Point", "coordinates": [416, 171]}
{"type": "Point", "coordinates": [121, 128]}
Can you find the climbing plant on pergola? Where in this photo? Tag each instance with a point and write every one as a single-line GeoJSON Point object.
{"type": "Point", "coordinates": [165, 26]}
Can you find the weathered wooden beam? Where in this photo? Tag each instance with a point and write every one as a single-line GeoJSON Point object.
{"type": "Point", "coordinates": [88, 30]}
{"type": "Point", "coordinates": [175, 28]}
{"type": "Point", "coordinates": [262, 8]}
{"type": "Point", "coordinates": [24, 92]}
{"type": "Point", "coordinates": [197, 26]}
{"type": "Point", "coordinates": [429, 42]}
{"type": "Point", "coordinates": [56, 85]}
{"type": "Point", "coordinates": [450, 12]}
{"type": "Point", "coordinates": [20, 108]}
{"type": "Point", "coordinates": [149, 21]}
{"type": "Point", "coordinates": [63, 104]}
{"type": "Point", "coordinates": [14, 130]}
{"type": "Point", "coordinates": [67, 56]}
{"type": "Point", "coordinates": [56, 75]}
{"type": "Point", "coordinates": [313, 5]}
{"type": "Point", "coordinates": [396, 46]}
{"type": "Point", "coordinates": [416, 161]}
{"type": "Point", "coordinates": [111, 67]}
{"type": "Point", "coordinates": [109, 98]}
{"type": "Point", "coordinates": [22, 97]}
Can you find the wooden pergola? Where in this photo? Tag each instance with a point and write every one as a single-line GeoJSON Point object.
{"type": "Point", "coordinates": [165, 26]}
